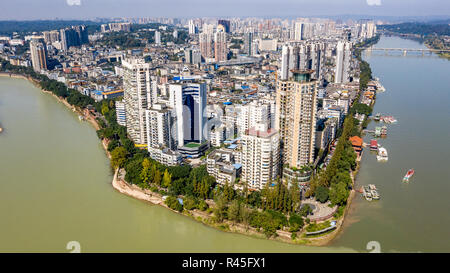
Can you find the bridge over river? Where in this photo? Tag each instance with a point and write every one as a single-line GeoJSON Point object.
{"type": "Point", "coordinates": [406, 50]}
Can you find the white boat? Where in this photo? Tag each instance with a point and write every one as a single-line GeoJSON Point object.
{"type": "Point", "coordinates": [375, 195]}
{"type": "Point", "coordinates": [80, 118]}
{"type": "Point", "coordinates": [382, 154]}
{"type": "Point", "coordinates": [380, 88]}
{"type": "Point", "coordinates": [367, 193]}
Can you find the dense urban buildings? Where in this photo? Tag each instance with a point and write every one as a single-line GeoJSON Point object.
{"type": "Point", "coordinates": [254, 100]}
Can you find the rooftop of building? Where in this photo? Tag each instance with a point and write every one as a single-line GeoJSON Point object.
{"type": "Point", "coordinates": [254, 132]}
{"type": "Point", "coordinates": [356, 141]}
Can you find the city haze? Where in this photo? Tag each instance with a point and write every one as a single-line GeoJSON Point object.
{"type": "Point", "coordinates": [87, 9]}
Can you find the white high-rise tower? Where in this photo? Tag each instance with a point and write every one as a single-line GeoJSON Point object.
{"type": "Point", "coordinates": [137, 97]}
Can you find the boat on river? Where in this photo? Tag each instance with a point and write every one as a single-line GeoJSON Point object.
{"type": "Point", "coordinates": [388, 119]}
{"type": "Point", "coordinates": [382, 154]}
{"type": "Point", "coordinates": [367, 193]}
{"type": "Point", "coordinates": [377, 117]}
{"type": "Point", "coordinates": [377, 132]}
{"type": "Point", "coordinates": [408, 175]}
{"type": "Point", "coordinates": [383, 131]}
{"type": "Point", "coordinates": [380, 88]}
{"type": "Point", "coordinates": [373, 145]}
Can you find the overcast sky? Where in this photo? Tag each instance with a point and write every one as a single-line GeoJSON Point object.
{"type": "Point", "coordinates": [84, 9]}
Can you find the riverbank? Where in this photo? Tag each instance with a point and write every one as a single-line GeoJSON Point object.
{"type": "Point", "coordinates": [87, 116]}
{"type": "Point", "coordinates": [426, 41]}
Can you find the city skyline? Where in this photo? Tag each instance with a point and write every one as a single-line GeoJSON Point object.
{"type": "Point", "coordinates": [85, 9]}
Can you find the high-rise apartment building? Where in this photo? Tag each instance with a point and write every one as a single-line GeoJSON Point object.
{"type": "Point", "coordinates": [298, 31]}
{"type": "Point", "coordinates": [220, 46]}
{"type": "Point", "coordinates": [296, 103]}
{"type": "Point", "coordinates": [159, 125]}
{"type": "Point", "coordinates": [302, 57]}
{"type": "Point", "coordinates": [126, 27]}
{"type": "Point", "coordinates": [192, 56]}
{"type": "Point", "coordinates": [252, 114]}
{"type": "Point", "coordinates": [192, 27]}
{"type": "Point", "coordinates": [137, 97]}
{"type": "Point", "coordinates": [284, 70]}
{"type": "Point", "coordinates": [157, 37]}
{"type": "Point", "coordinates": [188, 99]}
{"type": "Point", "coordinates": [51, 36]}
{"type": "Point", "coordinates": [206, 47]}
{"type": "Point", "coordinates": [248, 40]}
{"type": "Point", "coordinates": [225, 24]}
{"type": "Point", "coordinates": [73, 36]}
{"type": "Point", "coordinates": [38, 55]}
{"type": "Point", "coordinates": [260, 156]}
{"type": "Point", "coordinates": [343, 58]}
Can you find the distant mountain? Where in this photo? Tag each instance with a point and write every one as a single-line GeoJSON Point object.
{"type": "Point", "coordinates": [8, 27]}
{"type": "Point", "coordinates": [390, 19]}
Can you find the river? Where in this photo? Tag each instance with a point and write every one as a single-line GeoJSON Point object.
{"type": "Point", "coordinates": [410, 217]}
{"type": "Point", "coordinates": [55, 180]}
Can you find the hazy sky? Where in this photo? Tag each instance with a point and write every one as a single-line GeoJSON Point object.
{"type": "Point", "coordinates": [82, 9]}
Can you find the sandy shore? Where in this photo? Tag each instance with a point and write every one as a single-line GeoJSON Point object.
{"type": "Point", "coordinates": [127, 189]}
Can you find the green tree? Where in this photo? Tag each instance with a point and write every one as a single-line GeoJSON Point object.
{"type": "Point", "coordinates": [322, 194]}
{"type": "Point", "coordinates": [305, 210]}
{"type": "Point", "coordinates": [234, 210]}
{"type": "Point", "coordinates": [245, 215]}
{"type": "Point", "coordinates": [145, 173]}
{"type": "Point", "coordinates": [173, 203]}
{"type": "Point", "coordinates": [339, 193]}
{"type": "Point", "coordinates": [157, 179]}
{"type": "Point", "coordinates": [105, 108]}
{"type": "Point", "coordinates": [113, 144]}
{"type": "Point", "coordinates": [220, 211]}
{"type": "Point", "coordinates": [202, 205]}
{"type": "Point", "coordinates": [118, 157]}
{"type": "Point", "coordinates": [295, 222]}
{"type": "Point", "coordinates": [189, 203]}
{"type": "Point", "coordinates": [167, 179]}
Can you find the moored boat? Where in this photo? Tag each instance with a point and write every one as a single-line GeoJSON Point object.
{"type": "Point", "coordinates": [373, 145]}
{"type": "Point", "coordinates": [408, 175]}
{"type": "Point", "coordinates": [375, 195]}
{"type": "Point", "coordinates": [377, 117]}
{"type": "Point", "coordinates": [388, 119]}
{"type": "Point", "coordinates": [366, 193]}
{"type": "Point", "coordinates": [377, 131]}
{"type": "Point", "coordinates": [383, 130]}
{"type": "Point", "coordinates": [382, 154]}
